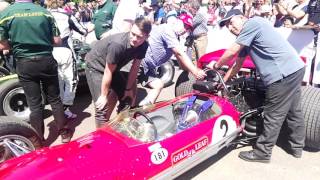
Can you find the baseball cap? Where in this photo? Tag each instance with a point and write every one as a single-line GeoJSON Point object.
{"type": "Point", "coordinates": [230, 14]}
{"type": "Point", "coordinates": [186, 19]}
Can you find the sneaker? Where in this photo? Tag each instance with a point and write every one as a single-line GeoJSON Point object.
{"type": "Point", "coordinates": [69, 115]}
{"type": "Point", "coordinates": [66, 135]}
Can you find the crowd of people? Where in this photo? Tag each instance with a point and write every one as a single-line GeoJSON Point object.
{"type": "Point", "coordinates": [138, 36]}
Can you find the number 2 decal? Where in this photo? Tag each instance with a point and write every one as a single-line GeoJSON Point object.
{"type": "Point", "coordinates": [223, 126]}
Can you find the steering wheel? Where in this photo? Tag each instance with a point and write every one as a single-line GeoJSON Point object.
{"type": "Point", "coordinates": [148, 120]}
{"type": "Point", "coordinates": [212, 84]}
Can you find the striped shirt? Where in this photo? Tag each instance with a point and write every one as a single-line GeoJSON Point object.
{"type": "Point", "coordinates": [199, 24]}
{"type": "Point", "coordinates": [161, 41]}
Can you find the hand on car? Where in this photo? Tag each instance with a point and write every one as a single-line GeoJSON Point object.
{"type": "Point", "coordinates": [101, 102]}
{"type": "Point", "coordinates": [211, 65]}
{"type": "Point", "coordinates": [200, 74]}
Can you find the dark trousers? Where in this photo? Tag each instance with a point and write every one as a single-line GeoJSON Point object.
{"type": "Point", "coordinates": [94, 79]}
{"type": "Point", "coordinates": [116, 92]}
{"type": "Point", "coordinates": [40, 75]}
{"type": "Point", "coordinates": [282, 103]}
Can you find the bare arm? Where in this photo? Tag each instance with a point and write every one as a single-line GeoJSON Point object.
{"type": "Point", "coordinates": [233, 50]}
{"type": "Point", "coordinates": [107, 78]}
{"type": "Point", "coordinates": [133, 74]}
{"type": "Point", "coordinates": [183, 58]}
{"type": "Point", "coordinates": [4, 45]}
{"type": "Point", "coordinates": [57, 41]}
{"type": "Point", "coordinates": [234, 69]}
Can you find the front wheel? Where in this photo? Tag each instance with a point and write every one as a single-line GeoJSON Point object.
{"type": "Point", "coordinates": [16, 138]}
{"type": "Point", "coordinates": [184, 83]}
{"type": "Point", "coordinates": [166, 73]}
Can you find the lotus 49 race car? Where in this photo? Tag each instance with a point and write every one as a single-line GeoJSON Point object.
{"type": "Point", "coordinates": [158, 141]}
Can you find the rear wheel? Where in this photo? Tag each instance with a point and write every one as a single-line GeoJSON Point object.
{"type": "Point", "coordinates": [16, 138]}
{"type": "Point", "coordinates": [310, 103]}
{"type": "Point", "coordinates": [13, 101]}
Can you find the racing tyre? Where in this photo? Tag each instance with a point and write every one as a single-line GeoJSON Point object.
{"type": "Point", "coordinates": [18, 133]}
{"type": "Point", "coordinates": [184, 83]}
{"type": "Point", "coordinates": [166, 72]}
{"type": "Point", "coordinates": [310, 103]}
{"type": "Point", "coordinates": [13, 101]}
{"type": "Point", "coordinates": [3, 71]}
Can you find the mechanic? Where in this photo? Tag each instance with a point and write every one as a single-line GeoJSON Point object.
{"type": "Point", "coordinates": [67, 69]}
{"type": "Point", "coordinates": [282, 72]}
{"type": "Point", "coordinates": [109, 73]}
{"type": "Point", "coordinates": [32, 32]}
{"type": "Point", "coordinates": [163, 42]}
{"type": "Point", "coordinates": [103, 16]}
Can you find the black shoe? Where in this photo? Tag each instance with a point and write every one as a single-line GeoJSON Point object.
{"type": "Point", "coordinates": [296, 153]}
{"type": "Point", "coordinates": [66, 135]}
{"type": "Point", "coordinates": [251, 156]}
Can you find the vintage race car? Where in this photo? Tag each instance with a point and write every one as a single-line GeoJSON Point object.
{"type": "Point", "coordinates": [159, 141]}
{"type": "Point", "coordinates": [163, 140]}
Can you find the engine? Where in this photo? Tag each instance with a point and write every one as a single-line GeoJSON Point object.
{"type": "Point", "coordinates": [248, 95]}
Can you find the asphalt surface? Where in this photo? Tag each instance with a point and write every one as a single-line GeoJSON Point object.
{"type": "Point", "coordinates": [224, 166]}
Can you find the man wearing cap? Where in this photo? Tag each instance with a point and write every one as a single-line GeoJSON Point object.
{"type": "Point", "coordinates": [163, 43]}
{"type": "Point", "coordinates": [32, 33]}
{"type": "Point", "coordinates": [280, 69]}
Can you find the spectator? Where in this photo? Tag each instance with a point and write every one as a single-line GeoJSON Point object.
{"type": "Point", "coordinates": [281, 70]}
{"type": "Point", "coordinates": [67, 68]}
{"type": "Point", "coordinates": [200, 30]}
{"type": "Point", "coordinates": [124, 17]}
{"type": "Point", "coordinates": [107, 77]}
{"type": "Point", "coordinates": [33, 33]}
{"type": "Point", "coordinates": [85, 13]}
{"type": "Point", "coordinates": [212, 9]}
{"type": "Point", "coordinates": [103, 16]}
{"type": "Point", "coordinates": [298, 11]}
{"type": "Point", "coordinates": [159, 14]}
{"type": "Point", "coordinates": [163, 43]}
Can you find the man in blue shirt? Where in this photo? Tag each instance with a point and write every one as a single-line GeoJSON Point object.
{"type": "Point", "coordinates": [163, 43]}
{"type": "Point", "coordinates": [282, 72]}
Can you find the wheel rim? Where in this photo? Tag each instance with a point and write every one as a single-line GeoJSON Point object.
{"type": "Point", "coordinates": [15, 104]}
{"type": "Point", "coordinates": [5, 153]}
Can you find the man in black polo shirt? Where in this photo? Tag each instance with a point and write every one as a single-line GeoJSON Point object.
{"type": "Point", "coordinates": [106, 63]}
{"type": "Point", "coordinates": [32, 32]}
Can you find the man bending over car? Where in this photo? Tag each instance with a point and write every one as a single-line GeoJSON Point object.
{"type": "Point", "coordinates": [107, 68]}
{"type": "Point", "coordinates": [163, 43]}
{"type": "Point", "coordinates": [282, 72]}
